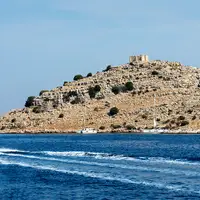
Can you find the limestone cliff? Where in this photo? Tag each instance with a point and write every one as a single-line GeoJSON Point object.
{"type": "Point", "coordinates": [87, 102]}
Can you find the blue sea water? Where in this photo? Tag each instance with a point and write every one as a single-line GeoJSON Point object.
{"type": "Point", "coordinates": [107, 166]}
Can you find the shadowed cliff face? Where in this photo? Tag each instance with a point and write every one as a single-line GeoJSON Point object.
{"type": "Point", "coordinates": [87, 102]}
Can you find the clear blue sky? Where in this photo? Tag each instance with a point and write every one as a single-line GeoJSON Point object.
{"type": "Point", "coordinates": [46, 42]}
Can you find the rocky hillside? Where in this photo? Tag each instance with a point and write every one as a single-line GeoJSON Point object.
{"type": "Point", "coordinates": [129, 89]}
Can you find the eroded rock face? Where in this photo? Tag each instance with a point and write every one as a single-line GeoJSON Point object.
{"type": "Point", "coordinates": [176, 88]}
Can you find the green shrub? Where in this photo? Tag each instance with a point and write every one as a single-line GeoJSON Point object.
{"type": "Point", "coordinates": [113, 111]}
{"type": "Point", "coordinates": [102, 127]}
{"type": "Point", "coordinates": [194, 117]}
{"type": "Point", "coordinates": [72, 93]}
{"type": "Point", "coordinates": [154, 73]}
{"type": "Point", "coordinates": [116, 89]}
{"type": "Point", "coordinates": [97, 88]}
{"type": "Point", "coordinates": [129, 86]}
{"type": "Point", "coordinates": [13, 120]}
{"type": "Point", "coordinates": [29, 101]}
{"type": "Point", "coordinates": [91, 92]}
{"type": "Point", "coordinates": [130, 127]}
{"type": "Point", "coordinates": [107, 68]}
{"type": "Point", "coordinates": [65, 83]}
{"type": "Point", "coordinates": [78, 77]}
{"type": "Point", "coordinates": [89, 74]}
{"type": "Point", "coordinates": [76, 101]}
{"type": "Point", "coordinates": [61, 115]}
{"type": "Point", "coordinates": [37, 109]}
{"type": "Point", "coordinates": [43, 91]}
{"type": "Point", "coordinates": [144, 116]}
{"type": "Point", "coordinates": [116, 126]}
{"type": "Point", "coordinates": [181, 118]}
{"type": "Point", "coordinates": [184, 123]}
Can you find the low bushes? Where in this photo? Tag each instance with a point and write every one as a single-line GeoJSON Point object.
{"type": "Point", "coordinates": [78, 77]}
{"type": "Point", "coordinates": [93, 90]}
{"type": "Point", "coordinates": [61, 115]}
{"type": "Point", "coordinates": [107, 68]}
{"type": "Point", "coordinates": [129, 86]}
{"type": "Point", "coordinates": [116, 126]}
{"type": "Point", "coordinates": [30, 101]}
{"type": "Point", "coordinates": [113, 111]}
{"type": "Point", "coordinates": [37, 109]}
{"type": "Point", "coordinates": [89, 74]}
{"type": "Point", "coordinates": [116, 89]}
{"type": "Point", "coordinates": [43, 91]}
{"type": "Point", "coordinates": [130, 127]}
{"type": "Point", "coordinates": [102, 127]}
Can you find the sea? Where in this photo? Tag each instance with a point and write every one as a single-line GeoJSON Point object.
{"type": "Point", "coordinates": [100, 167]}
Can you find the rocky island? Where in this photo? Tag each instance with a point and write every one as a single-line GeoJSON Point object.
{"type": "Point", "coordinates": [118, 99]}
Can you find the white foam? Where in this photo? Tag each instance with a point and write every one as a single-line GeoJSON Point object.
{"type": "Point", "coordinates": [101, 176]}
{"type": "Point", "coordinates": [110, 165]}
{"type": "Point", "coordinates": [107, 156]}
{"type": "Point", "coordinates": [4, 150]}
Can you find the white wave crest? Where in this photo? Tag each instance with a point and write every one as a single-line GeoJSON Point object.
{"type": "Point", "coordinates": [107, 156]}
{"type": "Point", "coordinates": [102, 176]}
{"type": "Point", "coordinates": [5, 150]}
{"type": "Point", "coordinates": [110, 165]}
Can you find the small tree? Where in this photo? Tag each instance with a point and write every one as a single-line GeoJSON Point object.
{"type": "Point", "coordinates": [43, 91]}
{"type": "Point", "coordinates": [29, 101]}
{"type": "Point", "coordinates": [129, 86]}
{"type": "Point", "coordinates": [97, 88]}
{"type": "Point", "coordinates": [107, 68]}
{"type": "Point", "coordinates": [89, 74]}
{"type": "Point", "coordinates": [61, 115]}
{"type": "Point", "coordinates": [13, 120]}
{"type": "Point", "coordinates": [115, 90]}
{"type": "Point", "coordinates": [113, 111]}
{"type": "Point", "coordinates": [154, 73]}
{"type": "Point", "coordinates": [65, 83]}
{"type": "Point", "coordinates": [37, 109]}
{"type": "Point", "coordinates": [91, 92]}
{"type": "Point", "coordinates": [102, 127]}
{"type": "Point", "coordinates": [78, 77]}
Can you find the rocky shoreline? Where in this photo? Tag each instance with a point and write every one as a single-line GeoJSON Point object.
{"type": "Point", "coordinates": [121, 131]}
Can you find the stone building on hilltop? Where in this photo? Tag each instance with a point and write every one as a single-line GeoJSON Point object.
{"type": "Point", "coordinates": [140, 58]}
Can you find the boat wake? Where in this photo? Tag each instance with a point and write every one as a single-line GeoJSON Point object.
{"type": "Point", "coordinates": [125, 169]}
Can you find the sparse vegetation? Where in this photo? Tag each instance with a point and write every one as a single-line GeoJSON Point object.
{"type": "Point", "coordinates": [30, 101]}
{"type": "Point", "coordinates": [113, 111]}
{"type": "Point", "coordinates": [155, 73]}
{"type": "Point", "coordinates": [43, 91]}
{"type": "Point", "coordinates": [107, 68]}
{"type": "Point", "coordinates": [102, 127]}
{"type": "Point", "coordinates": [93, 90]}
{"type": "Point", "coordinates": [37, 109]}
{"type": "Point", "coordinates": [181, 118]}
{"type": "Point", "coordinates": [97, 88]}
{"type": "Point", "coordinates": [61, 115]}
{"type": "Point", "coordinates": [184, 123]}
{"type": "Point", "coordinates": [13, 120]}
{"type": "Point", "coordinates": [77, 100]}
{"type": "Point", "coordinates": [129, 86]}
{"type": "Point", "coordinates": [65, 83]}
{"type": "Point", "coordinates": [130, 127]}
{"type": "Point", "coordinates": [89, 74]}
{"type": "Point", "coordinates": [144, 116]}
{"type": "Point", "coordinates": [116, 126]}
{"type": "Point", "coordinates": [116, 89]}
{"type": "Point", "coordinates": [78, 77]}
